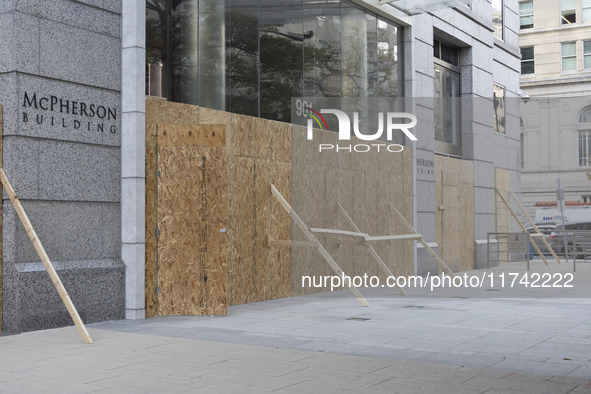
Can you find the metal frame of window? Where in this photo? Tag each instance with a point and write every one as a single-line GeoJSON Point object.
{"type": "Point", "coordinates": [523, 16]}
{"type": "Point", "coordinates": [562, 56]}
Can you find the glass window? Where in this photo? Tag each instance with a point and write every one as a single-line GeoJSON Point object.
{"type": "Point", "coordinates": [242, 57]}
{"type": "Point", "coordinates": [568, 13]}
{"type": "Point", "coordinates": [322, 53]}
{"type": "Point", "coordinates": [585, 116]}
{"type": "Point", "coordinates": [569, 56]}
{"type": "Point", "coordinates": [499, 108]}
{"type": "Point", "coordinates": [526, 15]}
{"type": "Point", "coordinates": [586, 4]}
{"type": "Point", "coordinates": [253, 56]}
{"type": "Point", "coordinates": [584, 147]}
{"type": "Point", "coordinates": [388, 62]}
{"type": "Point", "coordinates": [527, 60]}
{"type": "Point", "coordinates": [447, 105]}
{"type": "Point", "coordinates": [584, 130]}
{"type": "Point", "coordinates": [171, 50]}
{"type": "Point", "coordinates": [211, 57]}
{"type": "Point", "coordinates": [281, 39]}
{"type": "Point", "coordinates": [586, 54]}
{"type": "Point", "coordinates": [445, 52]}
{"type": "Point", "coordinates": [497, 18]}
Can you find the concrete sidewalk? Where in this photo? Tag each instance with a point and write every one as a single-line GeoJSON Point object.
{"type": "Point", "coordinates": [55, 361]}
{"type": "Point", "coordinates": [320, 344]}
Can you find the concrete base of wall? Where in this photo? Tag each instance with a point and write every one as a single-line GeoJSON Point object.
{"type": "Point", "coordinates": [31, 302]}
{"type": "Point", "coordinates": [480, 257]}
{"type": "Point", "coordinates": [425, 262]}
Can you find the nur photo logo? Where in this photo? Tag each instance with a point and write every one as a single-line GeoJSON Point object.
{"type": "Point", "coordinates": [388, 123]}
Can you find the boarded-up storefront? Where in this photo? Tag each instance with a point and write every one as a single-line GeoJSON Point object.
{"type": "Point", "coordinates": [211, 216]}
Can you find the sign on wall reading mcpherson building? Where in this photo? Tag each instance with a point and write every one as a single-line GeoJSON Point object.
{"type": "Point", "coordinates": [51, 110]}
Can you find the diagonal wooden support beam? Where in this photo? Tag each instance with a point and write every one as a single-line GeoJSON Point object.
{"type": "Point", "coordinates": [372, 251]}
{"type": "Point", "coordinates": [538, 233]}
{"type": "Point", "coordinates": [409, 228]}
{"type": "Point", "coordinates": [323, 252]}
{"type": "Point", "coordinates": [45, 259]}
{"type": "Point", "coordinates": [520, 224]}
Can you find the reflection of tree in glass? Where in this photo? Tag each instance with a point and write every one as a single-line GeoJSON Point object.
{"type": "Point", "coordinates": [169, 28]}
{"type": "Point", "coordinates": [280, 63]}
{"type": "Point", "coordinates": [242, 63]}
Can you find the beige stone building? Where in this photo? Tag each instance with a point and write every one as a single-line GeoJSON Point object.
{"type": "Point", "coordinates": [555, 42]}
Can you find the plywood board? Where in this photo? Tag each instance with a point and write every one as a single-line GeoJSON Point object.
{"type": "Point", "coordinates": [239, 138]}
{"type": "Point", "coordinates": [454, 198]}
{"type": "Point", "coordinates": [214, 116]}
{"type": "Point", "coordinates": [151, 135]}
{"type": "Point", "coordinates": [214, 249]}
{"type": "Point", "coordinates": [151, 272]}
{"type": "Point", "coordinates": [192, 272]}
{"type": "Point", "coordinates": [241, 217]}
{"type": "Point", "coordinates": [263, 265]}
{"type": "Point", "coordinates": [161, 111]}
{"type": "Point", "coordinates": [262, 135]}
{"type": "Point", "coordinates": [179, 259]}
{"type": "Point", "coordinates": [281, 229]}
{"type": "Point", "coordinates": [191, 135]}
{"type": "Point", "coordinates": [281, 147]}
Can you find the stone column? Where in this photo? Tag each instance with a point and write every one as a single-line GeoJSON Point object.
{"type": "Point", "coordinates": [60, 82]}
{"type": "Point", "coordinates": [133, 148]}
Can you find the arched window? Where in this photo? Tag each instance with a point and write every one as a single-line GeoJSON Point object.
{"type": "Point", "coordinates": [585, 115]}
{"type": "Point", "coordinates": [584, 131]}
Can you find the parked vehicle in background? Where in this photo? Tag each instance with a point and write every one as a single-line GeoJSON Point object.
{"type": "Point", "coordinates": [578, 243]}
{"type": "Point", "coordinates": [573, 212]}
{"type": "Point", "coordinates": [545, 228]}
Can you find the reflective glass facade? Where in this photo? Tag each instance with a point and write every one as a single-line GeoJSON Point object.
{"type": "Point", "coordinates": [253, 56]}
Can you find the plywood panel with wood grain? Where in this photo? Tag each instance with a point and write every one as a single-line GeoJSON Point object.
{"type": "Point", "coordinates": [454, 199]}
{"type": "Point", "coordinates": [192, 269]}
{"type": "Point", "coordinates": [191, 135]}
{"type": "Point", "coordinates": [151, 272]}
{"type": "Point", "coordinates": [214, 245]}
{"type": "Point", "coordinates": [257, 152]}
{"type": "Point", "coordinates": [281, 229]}
{"type": "Point", "coordinates": [161, 111]}
{"type": "Point", "coordinates": [241, 219]}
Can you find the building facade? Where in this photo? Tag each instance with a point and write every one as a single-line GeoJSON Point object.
{"type": "Point", "coordinates": [555, 42]}
{"type": "Point", "coordinates": [77, 135]}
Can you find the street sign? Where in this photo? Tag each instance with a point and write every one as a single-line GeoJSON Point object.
{"type": "Point", "coordinates": [517, 242]}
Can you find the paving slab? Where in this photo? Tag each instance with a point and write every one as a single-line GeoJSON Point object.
{"type": "Point", "coordinates": [319, 345]}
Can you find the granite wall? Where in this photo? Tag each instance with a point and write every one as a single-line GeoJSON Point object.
{"type": "Point", "coordinates": [60, 83]}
